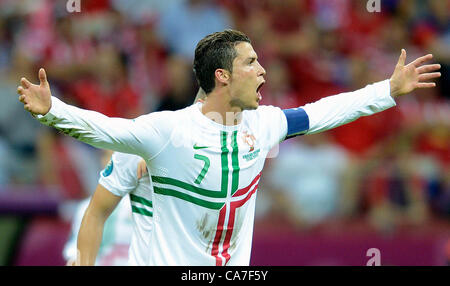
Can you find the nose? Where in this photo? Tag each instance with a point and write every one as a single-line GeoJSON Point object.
{"type": "Point", "coordinates": [262, 71]}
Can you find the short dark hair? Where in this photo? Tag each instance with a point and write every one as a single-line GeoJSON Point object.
{"type": "Point", "coordinates": [216, 51]}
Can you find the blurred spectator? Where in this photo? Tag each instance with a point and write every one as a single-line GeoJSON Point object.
{"type": "Point", "coordinates": [146, 64]}
{"type": "Point", "coordinates": [108, 90]}
{"type": "Point", "coordinates": [331, 15]}
{"type": "Point", "coordinates": [143, 10]}
{"type": "Point", "coordinates": [187, 22]}
{"type": "Point", "coordinates": [307, 179]}
{"type": "Point", "coordinates": [180, 91]}
{"type": "Point", "coordinates": [402, 186]}
{"type": "Point", "coordinates": [116, 237]}
{"type": "Point", "coordinates": [18, 131]}
{"type": "Point", "coordinates": [5, 44]}
{"type": "Point", "coordinates": [360, 136]}
{"type": "Point", "coordinates": [278, 91]}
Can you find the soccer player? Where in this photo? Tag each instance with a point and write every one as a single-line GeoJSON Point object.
{"type": "Point", "coordinates": [126, 177]}
{"type": "Point", "coordinates": [206, 160]}
{"type": "Point", "coordinates": [104, 228]}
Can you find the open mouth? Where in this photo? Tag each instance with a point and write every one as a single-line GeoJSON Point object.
{"type": "Point", "coordinates": [258, 90]}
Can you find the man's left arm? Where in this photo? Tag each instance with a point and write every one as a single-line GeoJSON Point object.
{"type": "Point", "coordinates": [334, 111]}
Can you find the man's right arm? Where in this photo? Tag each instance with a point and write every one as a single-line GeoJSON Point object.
{"type": "Point", "coordinates": [138, 136]}
{"type": "Point", "coordinates": [117, 180]}
{"type": "Point", "coordinates": [102, 204]}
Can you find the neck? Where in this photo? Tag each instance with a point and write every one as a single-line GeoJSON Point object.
{"type": "Point", "coordinates": [217, 107]}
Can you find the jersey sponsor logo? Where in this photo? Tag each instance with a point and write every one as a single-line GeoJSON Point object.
{"type": "Point", "coordinates": [108, 169]}
{"type": "Point", "coordinates": [196, 147]}
{"type": "Point", "coordinates": [250, 140]}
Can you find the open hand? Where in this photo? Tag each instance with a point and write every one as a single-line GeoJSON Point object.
{"type": "Point", "coordinates": [415, 75]}
{"type": "Point", "coordinates": [36, 98]}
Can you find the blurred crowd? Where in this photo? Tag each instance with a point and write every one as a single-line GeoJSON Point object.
{"type": "Point", "coordinates": [129, 57]}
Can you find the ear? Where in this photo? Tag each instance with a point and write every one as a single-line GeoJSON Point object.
{"type": "Point", "coordinates": [222, 75]}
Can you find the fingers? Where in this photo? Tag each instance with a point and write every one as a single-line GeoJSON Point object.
{"type": "Point", "coordinates": [428, 68]}
{"type": "Point", "coordinates": [429, 76]}
{"type": "Point", "coordinates": [26, 106]}
{"type": "Point", "coordinates": [421, 60]}
{"type": "Point", "coordinates": [42, 76]}
{"type": "Point", "coordinates": [426, 77]}
{"type": "Point", "coordinates": [25, 83]}
{"type": "Point", "coordinates": [21, 92]}
{"type": "Point", "coordinates": [426, 85]}
{"type": "Point", "coordinates": [402, 58]}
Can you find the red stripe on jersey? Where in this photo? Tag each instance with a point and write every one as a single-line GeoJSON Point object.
{"type": "Point", "coordinates": [245, 190]}
{"type": "Point", "coordinates": [215, 247]}
{"type": "Point", "coordinates": [231, 220]}
{"type": "Point", "coordinates": [229, 231]}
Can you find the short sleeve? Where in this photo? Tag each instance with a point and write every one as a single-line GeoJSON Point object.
{"type": "Point", "coordinates": [120, 174]}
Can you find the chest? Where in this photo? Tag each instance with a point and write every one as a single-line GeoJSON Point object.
{"type": "Point", "coordinates": [215, 164]}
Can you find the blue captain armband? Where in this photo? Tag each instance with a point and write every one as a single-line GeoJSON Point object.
{"type": "Point", "coordinates": [297, 122]}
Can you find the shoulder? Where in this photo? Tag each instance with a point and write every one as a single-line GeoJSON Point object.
{"type": "Point", "coordinates": [120, 175]}
{"type": "Point", "coordinates": [264, 112]}
{"type": "Point", "coordinates": [164, 118]}
{"type": "Point", "coordinates": [124, 160]}
{"type": "Point", "coordinates": [269, 121]}
{"type": "Point", "coordinates": [121, 168]}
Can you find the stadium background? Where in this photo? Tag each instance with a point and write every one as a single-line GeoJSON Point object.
{"type": "Point", "coordinates": [380, 182]}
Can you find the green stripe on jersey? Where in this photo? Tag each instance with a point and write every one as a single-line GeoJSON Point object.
{"type": "Point", "coordinates": [186, 197]}
{"type": "Point", "coordinates": [204, 192]}
{"type": "Point", "coordinates": [141, 200]}
{"type": "Point", "coordinates": [234, 164]}
{"type": "Point", "coordinates": [224, 162]}
{"type": "Point", "coordinates": [141, 211]}
{"type": "Point", "coordinates": [187, 187]}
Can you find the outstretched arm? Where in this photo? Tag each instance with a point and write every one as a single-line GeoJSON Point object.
{"type": "Point", "coordinates": [141, 136]}
{"type": "Point", "coordinates": [334, 111]}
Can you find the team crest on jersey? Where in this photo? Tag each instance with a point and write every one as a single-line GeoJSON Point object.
{"type": "Point", "coordinates": [250, 140]}
{"type": "Point", "coordinates": [108, 169]}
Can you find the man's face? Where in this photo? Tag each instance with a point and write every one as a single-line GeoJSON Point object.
{"type": "Point", "coordinates": [246, 79]}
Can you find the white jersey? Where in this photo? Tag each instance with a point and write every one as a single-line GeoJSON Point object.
{"type": "Point", "coordinates": [205, 175]}
{"type": "Point", "coordinates": [120, 178]}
